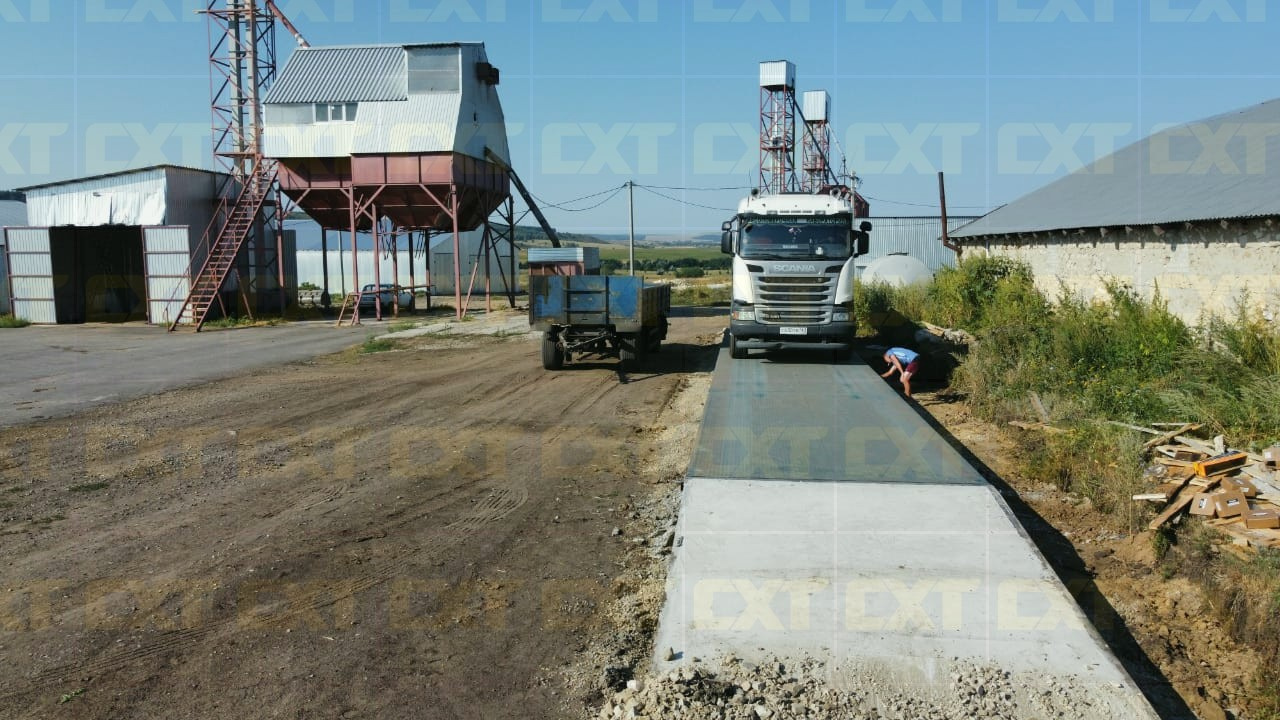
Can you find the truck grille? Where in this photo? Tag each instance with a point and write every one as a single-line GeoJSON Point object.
{"type": "Point", "coordinates": [786, 300]}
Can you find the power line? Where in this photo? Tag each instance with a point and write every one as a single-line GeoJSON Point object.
{"type": "Point", "coordinates": [651, 191]}
{"type": "Point", "coordinates": [924, 205]}
{"type": "Point", "coordinates": [696, 189]}
{"type": "Point", "coordinates": [561, 206]}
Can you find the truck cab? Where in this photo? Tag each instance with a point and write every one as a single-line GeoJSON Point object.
{"type": "Point", "coordinates": [793, 271]}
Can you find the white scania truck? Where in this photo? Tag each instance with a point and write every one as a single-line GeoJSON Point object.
{"type": "Point", "coordinates": [793, 270]}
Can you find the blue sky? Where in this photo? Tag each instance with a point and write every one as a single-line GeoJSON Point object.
{"type": "Point", "coordinates": [1003, 95]}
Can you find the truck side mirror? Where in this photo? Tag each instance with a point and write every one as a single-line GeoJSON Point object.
{"type": "Point", "coordinates": [864, 243]}
{"type": "Point", "coordinates": [726, 242]}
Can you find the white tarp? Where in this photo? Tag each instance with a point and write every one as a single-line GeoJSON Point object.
{"type": "Point", "coordinates": [136, 199]}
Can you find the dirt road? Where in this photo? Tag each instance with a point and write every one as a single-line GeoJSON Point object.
{"type": "Point", "coordinates": [440, 531]}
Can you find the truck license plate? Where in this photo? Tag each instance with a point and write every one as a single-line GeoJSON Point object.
{"type": "Point", "coordinates": [794, 331]}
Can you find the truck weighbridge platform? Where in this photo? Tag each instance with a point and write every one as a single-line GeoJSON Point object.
{"type": "Point", "coordinates": [822, 517]}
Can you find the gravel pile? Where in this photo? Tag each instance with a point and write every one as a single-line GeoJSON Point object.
{"type": "Point", "coordinates": [778, 691]}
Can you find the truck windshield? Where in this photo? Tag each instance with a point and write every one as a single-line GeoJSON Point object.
{"type": "Point", "coordinates": [787, 238]}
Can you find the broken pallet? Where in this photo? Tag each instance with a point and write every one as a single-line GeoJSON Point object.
{"type": "Point", "coordinates": [1179, 503]}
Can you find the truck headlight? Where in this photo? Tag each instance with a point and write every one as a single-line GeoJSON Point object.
{"type": "Point", "coordinates": [840, 316]}
{"type": "Point", "coordinates": [748, 315]}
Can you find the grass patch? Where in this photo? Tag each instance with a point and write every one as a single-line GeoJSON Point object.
{"type": "Point", "coordinates": [701, 295]}
{"type": "Point", "coordinates": [89, 487]}
{"type": "Point", "coordinates": [376, 345]}
{"type": "Point", "coordinates": [11, 322]}
{"type": "Point", "coordinates": [231, 323]}
{"type": "Point", "coordinates": [402, 325]}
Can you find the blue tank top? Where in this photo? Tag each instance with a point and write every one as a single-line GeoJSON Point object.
{"type": "Point", "coordinates": [905, 356]}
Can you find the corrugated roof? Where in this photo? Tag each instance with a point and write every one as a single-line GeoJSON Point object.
{"type": "Point", "coordinates": [342, 74]}
{"type": "Point", "coordinates": [1227, 166]}
{"type": "Point", "coordinates": [135, 171]}
{"type": "Point", "coordinates": [13, 213]}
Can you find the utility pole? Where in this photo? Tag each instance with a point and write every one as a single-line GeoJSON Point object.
{"type": "Point", "coordinates": [631, 206]}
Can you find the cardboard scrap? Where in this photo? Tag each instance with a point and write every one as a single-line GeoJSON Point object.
{"type": "Point", "coordinates": [1262, 519]}
{"type": "Point", "coordinates": [1231, 503]}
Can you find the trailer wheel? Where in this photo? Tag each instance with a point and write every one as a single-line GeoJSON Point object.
{"type": "Point", "coordinates": [735, 352]}
{"type": "Point", "coordinates": [659, 334]}
{"type": "Point", "coordinates": [631, 350]}
{"type": "Point", "coordinates": [552, 355]}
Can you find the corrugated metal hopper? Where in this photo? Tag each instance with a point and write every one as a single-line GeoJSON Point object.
{"type": "Point", "coordinates": [395, 131]}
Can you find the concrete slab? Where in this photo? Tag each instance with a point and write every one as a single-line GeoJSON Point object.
{"type": "Point", "coordinates": [903, 580]}
{"type": "Point", "coordinates": [51, 371]}
{"type": "Point", "coordinates": [795, 418]}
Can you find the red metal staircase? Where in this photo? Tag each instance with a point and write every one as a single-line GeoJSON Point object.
{"type": "Point", "coordinates": [225, 247]}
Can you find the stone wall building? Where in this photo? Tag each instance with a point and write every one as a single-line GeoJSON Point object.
{"type": "Point", "coordinates": [1193, 211]}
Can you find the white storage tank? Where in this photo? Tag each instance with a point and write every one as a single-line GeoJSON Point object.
{"type": "Point", "coordinates": [898, 270]}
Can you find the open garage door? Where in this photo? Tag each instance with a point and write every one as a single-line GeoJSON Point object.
{"type": "Point", "coordinates": [168, 265]}
{"type": "Point", "coordinates": [31, 274]}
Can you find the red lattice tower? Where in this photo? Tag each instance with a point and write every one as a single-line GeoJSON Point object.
{"type": "Point", "coordinates": [777, 127]}
{"type": "Point", "coordinates": [815, 164]}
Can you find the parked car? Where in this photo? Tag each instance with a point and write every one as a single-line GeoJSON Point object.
{"type": "Point", "coordinates": [368, 297]}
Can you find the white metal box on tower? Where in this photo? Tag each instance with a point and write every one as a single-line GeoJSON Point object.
{"type": "Point", "coordinates": [778, 74]}
{"type": "Point", "coordinates": [816, 106]}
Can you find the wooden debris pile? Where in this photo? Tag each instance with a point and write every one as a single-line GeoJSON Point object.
{"type": "Point", "coordinates": [1236, 492]}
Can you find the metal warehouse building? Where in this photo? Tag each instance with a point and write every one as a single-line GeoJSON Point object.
{"type": "Point", "coordinates": [13, 211]}
{"type": "Point", "coordinates": [919, 237]}
{"type": "Point", "coordinates": [1191, 212]}
{"type": "Point", "coordinates": [118, 247]}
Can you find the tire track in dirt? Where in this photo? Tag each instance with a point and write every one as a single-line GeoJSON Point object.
{"type": "Point", "coordinates": [490, 509]}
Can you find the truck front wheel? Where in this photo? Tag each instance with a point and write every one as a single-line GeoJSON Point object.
{"type": "Point", "coordinates": [735, 352]}
{"type": "Point", "coordinates": [552, 354]}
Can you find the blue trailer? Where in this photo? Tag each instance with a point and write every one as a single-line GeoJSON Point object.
{"type": "Point", "coordinates": [598, 315]}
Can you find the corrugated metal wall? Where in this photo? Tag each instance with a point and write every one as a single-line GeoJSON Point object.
{"type": "Point", "coordinates": [919, 237]}
{"type": "Point", "coordinates": [31, 274]}
{"type": "Point", "coordinates": [167, 256]}
{"type": "Point", "coordinates": [310, 268]}
{"type": "Point", "coordinates": [4, 282]}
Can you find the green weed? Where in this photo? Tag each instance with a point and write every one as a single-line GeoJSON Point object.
{"type": "Point", "coordinates": [11, 322]}
{"type": "Point", "coordinates": [377, 345]}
